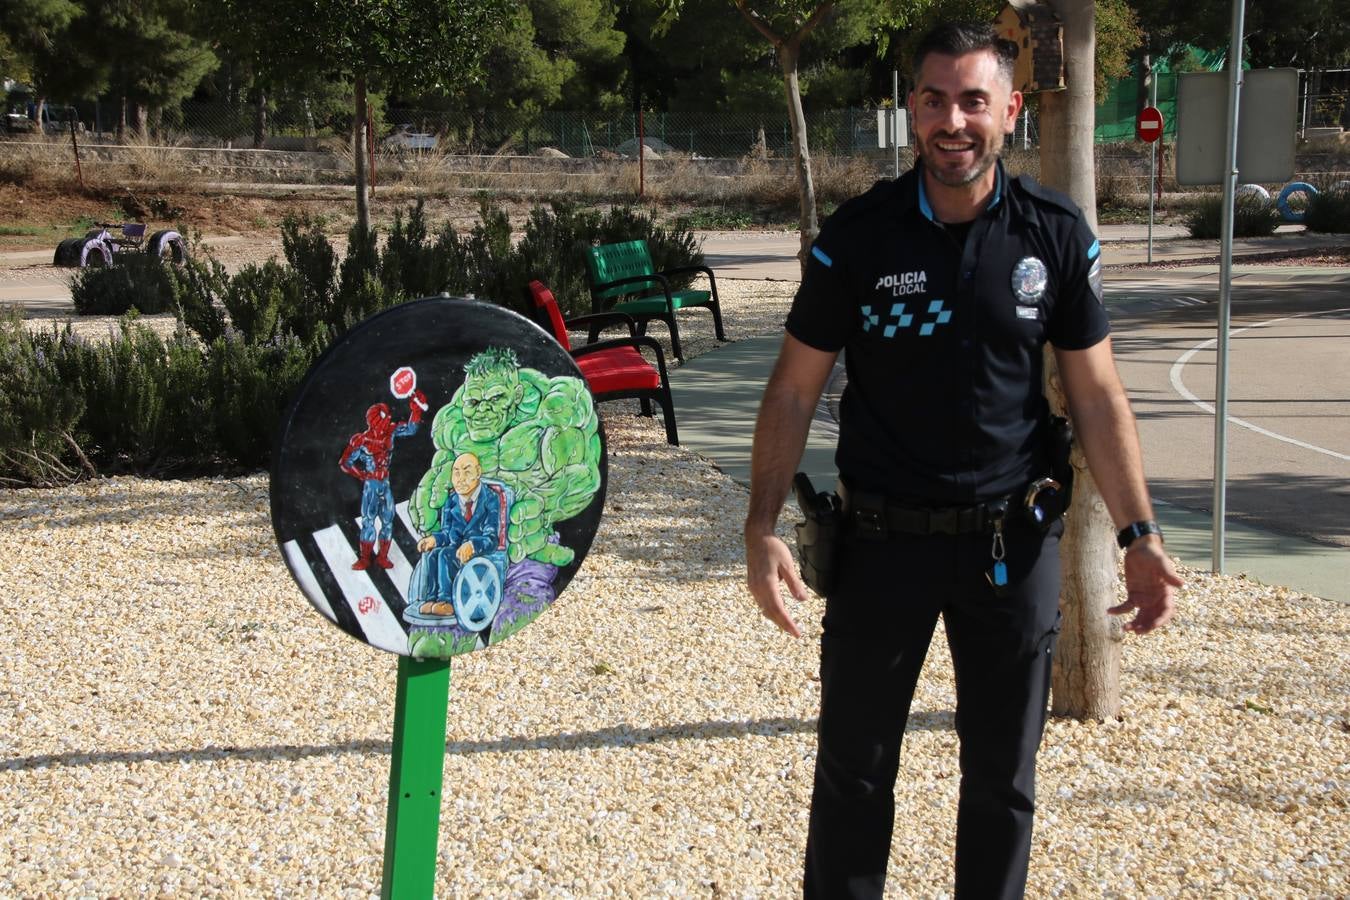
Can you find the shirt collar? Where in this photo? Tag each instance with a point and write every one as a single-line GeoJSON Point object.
{"type": "Point", "coordinates": [922, 198]}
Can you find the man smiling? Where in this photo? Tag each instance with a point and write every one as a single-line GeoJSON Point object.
{"type": "Point", "coordinates": [944, 286]}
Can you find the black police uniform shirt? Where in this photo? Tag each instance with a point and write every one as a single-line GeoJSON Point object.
{"type": "Point", "coordinates": [943, 334]}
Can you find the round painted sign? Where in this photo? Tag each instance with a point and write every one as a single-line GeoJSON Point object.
{"type": "Point", "coordinates": [439, 477]}
{"type": "Point", "coordinates": [1149, 126]}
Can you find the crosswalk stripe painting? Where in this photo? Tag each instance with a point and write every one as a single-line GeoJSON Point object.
{"type": "Point", "coordinates": [398, 469]}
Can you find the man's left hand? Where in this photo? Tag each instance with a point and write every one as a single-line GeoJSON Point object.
{"type": "Point", "coordinates": [1151, 583]}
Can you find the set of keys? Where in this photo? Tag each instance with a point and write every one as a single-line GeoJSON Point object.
{"type": "Point", "coordinates": [998, 575]}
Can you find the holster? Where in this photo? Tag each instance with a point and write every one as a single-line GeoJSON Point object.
{"type": "Point", "coordinates": [818, 536]}
{"type": "Point", "coordinates": [1061, 446]}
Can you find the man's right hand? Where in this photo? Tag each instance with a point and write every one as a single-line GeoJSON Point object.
{"type": "Point", "coordinates": [767, 562]}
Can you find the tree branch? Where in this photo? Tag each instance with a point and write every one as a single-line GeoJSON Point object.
{"type": "Point", "coordinates": [758, 23]}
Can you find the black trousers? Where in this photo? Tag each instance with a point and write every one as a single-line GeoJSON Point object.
{"type": "Point", "coordinates": [878, 624]}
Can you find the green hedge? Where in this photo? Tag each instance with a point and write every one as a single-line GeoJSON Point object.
{"type": "Point", "coordinates": [1252, 217]}
{"type": "Point", "coordinates": [211, 395]}
{"type": "Point", "coordinates": [1329, 211]}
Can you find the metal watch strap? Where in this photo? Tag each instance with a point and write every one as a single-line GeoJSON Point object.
{"type": "Point", "coordinates": [1127, 535]}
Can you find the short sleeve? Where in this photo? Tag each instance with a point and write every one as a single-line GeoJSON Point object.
{"type": "Point", "coordinates": [1079, 318]}
{"type": "Point", "coordinates": [819, 316]}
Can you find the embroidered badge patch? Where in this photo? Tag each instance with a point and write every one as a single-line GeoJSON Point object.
{"type": "Point", "coordinates": [1028, 279]}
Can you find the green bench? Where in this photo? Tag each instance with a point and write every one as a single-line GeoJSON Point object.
{"type": "Point", "coordinates": [623, 279]}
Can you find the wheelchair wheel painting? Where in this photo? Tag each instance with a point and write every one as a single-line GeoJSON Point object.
{"type": "Point", "coordinates": [477, 594]}
{"type": "Point", "coordinates": [399, 497]}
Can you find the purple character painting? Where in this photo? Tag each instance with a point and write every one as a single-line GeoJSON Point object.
{"type": "Point", "coordinates": [367, 458]}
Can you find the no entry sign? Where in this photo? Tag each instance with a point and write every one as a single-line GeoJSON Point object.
{"type": "Point", "coordinates": [1149, 126]}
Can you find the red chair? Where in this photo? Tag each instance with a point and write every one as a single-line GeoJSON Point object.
{"type": "Point", "coordinates": [614, 368]}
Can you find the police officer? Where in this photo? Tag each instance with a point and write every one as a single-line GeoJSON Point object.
{"type": "Point", "coordinates": [943, 286]}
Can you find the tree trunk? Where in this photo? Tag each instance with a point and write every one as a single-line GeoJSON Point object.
{"type": "Point", "coordinates": [1069, 116]}
{"type": "Point", "coordinates": [259, 119]}
{"type": "Point", "coordinates": [1086, 679]}
{"type": "Point", "coordinates": [788, 53]}
{"type": "Point", "coordinates": [359, 138]}
{"type": "Point", "coordinates": [310, 130]}
{"type": "Point", "coordinates": [142, 122]}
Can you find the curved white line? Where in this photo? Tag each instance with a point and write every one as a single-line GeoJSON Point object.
{"type": "Point", "coordinates": [1180, 388]}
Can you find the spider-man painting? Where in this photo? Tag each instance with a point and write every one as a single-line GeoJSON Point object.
{"type": "Point", "coordinates": [367, 459]}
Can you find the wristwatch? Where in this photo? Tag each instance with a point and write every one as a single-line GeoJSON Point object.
{"type": "Point", "coordinates": [1126, 536]}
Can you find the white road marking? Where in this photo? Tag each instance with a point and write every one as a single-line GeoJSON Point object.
{"type": "Point", "coordinates": [377, 620]}
{"type": "Point", "coordinates": [1181, 388]}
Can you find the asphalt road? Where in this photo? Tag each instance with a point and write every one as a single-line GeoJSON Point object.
{"type": "Point", "coordinates": [1288, 435]}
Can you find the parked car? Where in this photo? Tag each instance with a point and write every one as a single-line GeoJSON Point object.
{"type": "Point", "coordinates": [55, 120]}
{"type": "Point", "coordinates": [18, 123]}
{"type": "Point", "coordinates": [405, 138]}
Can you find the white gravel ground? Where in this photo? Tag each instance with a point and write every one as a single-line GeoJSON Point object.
{"type": "Point", "coordinates": [176, 721]}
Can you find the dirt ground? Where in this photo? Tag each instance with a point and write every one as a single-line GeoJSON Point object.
{"type": "Point", "coordinates": [36, 218]}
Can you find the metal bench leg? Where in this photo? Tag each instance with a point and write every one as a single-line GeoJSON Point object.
{"type": "Point", "coordinates": [716, 308]}
{"type": "Point", "coordinates": [674, 337]}
{"type": "Point", "coordinates": [668, 413]}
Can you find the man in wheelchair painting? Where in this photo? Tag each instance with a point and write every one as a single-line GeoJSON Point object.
{"type": "Point", "coordinates": [472, 526]}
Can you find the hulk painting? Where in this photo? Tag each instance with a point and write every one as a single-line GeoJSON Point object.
{"type": "Point", "coordinates": [539, 435]}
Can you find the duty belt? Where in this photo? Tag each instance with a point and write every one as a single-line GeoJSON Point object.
{"type": "Point", "coordinates": [877, 515]}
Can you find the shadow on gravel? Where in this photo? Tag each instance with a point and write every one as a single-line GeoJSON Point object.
{"type": "Point", "coordinates": [615, 736]}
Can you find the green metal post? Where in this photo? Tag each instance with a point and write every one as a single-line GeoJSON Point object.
{"type": "Point", "coordinates": [416, 765]}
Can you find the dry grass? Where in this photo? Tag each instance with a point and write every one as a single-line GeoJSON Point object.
{"type": "Point", "coordinates": [38, 161]}
{"type": "Point", "coordinates": [157, 159]}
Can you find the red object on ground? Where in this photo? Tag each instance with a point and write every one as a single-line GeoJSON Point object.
{"type": "Point", "coordinates": [614, 369]}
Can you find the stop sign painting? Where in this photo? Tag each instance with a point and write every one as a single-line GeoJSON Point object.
{"type": "Point", "coordinates": [1149, 126]}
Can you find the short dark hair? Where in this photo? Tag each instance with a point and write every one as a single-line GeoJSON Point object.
{"type": "Point", "coordinates": [960, 38]}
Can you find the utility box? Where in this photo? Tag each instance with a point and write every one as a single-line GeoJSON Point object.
{"type": "Point", "coordinates": [1039, 37]}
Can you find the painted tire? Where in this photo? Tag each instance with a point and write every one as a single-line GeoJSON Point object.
{"type": "Point", "coordinates": [1253, 190]}
{"type": "Point", "coordinates": [94, 252]}
{"type": "Point", "coordinates": [1282, 203]}
{"type": "Point", "coordinates": [68, 252]}
{"type": "Point", "coordinates": [167, 245]}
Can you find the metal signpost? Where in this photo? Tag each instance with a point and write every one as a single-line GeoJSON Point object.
{"type": "Point", "coordinates": [1149, 128]}
{"type": "Point", "coordinates": [893, 129]}
{"type": "Point", "coordinates": [395, 515]}
{"type": "Point", "coordinates": [1258, 155]}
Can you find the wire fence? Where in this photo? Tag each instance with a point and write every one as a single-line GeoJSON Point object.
{"type": "Point", "coordinates": [295, 124]}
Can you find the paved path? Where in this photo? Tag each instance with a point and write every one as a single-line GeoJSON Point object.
{"type": "Point", "coordinates": [1289, 478]}
{"type": "Point", "coordinates": [1289, 415]}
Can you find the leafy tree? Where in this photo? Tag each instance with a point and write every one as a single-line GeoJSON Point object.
{"type": "Point", "coordinates": [410, 45]}
{"type": "Point", "coordinates": [550, 54]}
{"type": "Point", "coordinates": [786, 25]}
{"type": "Point", "coordinates": [1307, 34]}
{"type": "Point", "coordinates": [152, 58]}
{"type": "Point", "coordinates": [29, 33]}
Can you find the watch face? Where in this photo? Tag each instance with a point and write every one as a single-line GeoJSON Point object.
{"type": "Point", "coordinates": [438, 478]}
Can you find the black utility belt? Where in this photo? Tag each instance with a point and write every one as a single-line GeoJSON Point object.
{"type": "Point", "coordinates": [878, 516]}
